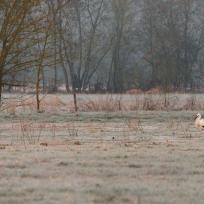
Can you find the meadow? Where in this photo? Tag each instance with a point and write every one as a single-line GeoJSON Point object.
{"type": "Point", "coordinates": [134, 149]}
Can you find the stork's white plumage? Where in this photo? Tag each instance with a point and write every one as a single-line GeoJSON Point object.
{"type": "Point", "coordinates": [199, 122]}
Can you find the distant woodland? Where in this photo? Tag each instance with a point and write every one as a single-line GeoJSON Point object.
{"type": "Point", "coordinates": [101, 45]}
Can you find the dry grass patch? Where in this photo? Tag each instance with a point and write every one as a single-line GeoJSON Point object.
{"type": "Point", "coordinates": [30, 132]}
{"type": "Point", "coordinates": [105, 103]}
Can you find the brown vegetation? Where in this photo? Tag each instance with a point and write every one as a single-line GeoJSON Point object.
{"type": "Point", "coordinates": [107, 103]}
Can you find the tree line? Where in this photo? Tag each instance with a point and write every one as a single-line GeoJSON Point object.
{"type": "Point", "coordinates": [101, 45]}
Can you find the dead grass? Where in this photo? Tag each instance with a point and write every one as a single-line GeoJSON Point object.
{"type": "Point", "coordinates": [30, 132]}
{"type": "Point", "coordinates": [135, 125]}
{"type": "Point", "coordinates": [12, 105]}
{"type": "Point", "coordinates": [105, 103]}
{"type": "Point", "coordinates": [182, 127]}
{"type": "Point", "coordinates": [72, 130]}
{"type": "Point", "coordinates": [147, 102]}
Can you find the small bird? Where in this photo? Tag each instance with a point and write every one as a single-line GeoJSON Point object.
{"type": "Point", "coordinates": [199, 122]}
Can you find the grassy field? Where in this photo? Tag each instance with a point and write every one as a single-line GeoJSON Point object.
{"type": "Point", "coordinates": [139, 157]}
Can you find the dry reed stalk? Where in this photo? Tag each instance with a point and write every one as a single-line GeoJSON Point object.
{"type": "Point", "coordinates": [109, 104]}
{"type": "Point", "coordinates": [72, 130]}
{"type": "Point", "coordinates": [30, 132]}
{"type": "Point", "coordinates": [135, 125]}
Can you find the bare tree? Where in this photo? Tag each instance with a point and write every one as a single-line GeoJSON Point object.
{"type": "Point", "coordinates": [17, 31]}
{"type": "Point", "coordinates": [171, 46]}
{"type": "Point", "coordinates": [120, 11]}
{"type": "Point", "coordinates": [82, 48]}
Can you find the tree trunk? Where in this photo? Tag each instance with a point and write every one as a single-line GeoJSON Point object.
{"type": "Point", "coordinates": [1, 87]}
{"type": "Point", "coordinates": [75, 101]}
{"type": "Point", "coordinates": [38, 89]}
{"type": "Point", "coordinates": [43, 82]}
{"type": "Point", "coordinates": [66, 79]}
{"type": "Point", "coordinates": [55, 65]}
{"type": "Point", "coordinates": [39, 70]}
